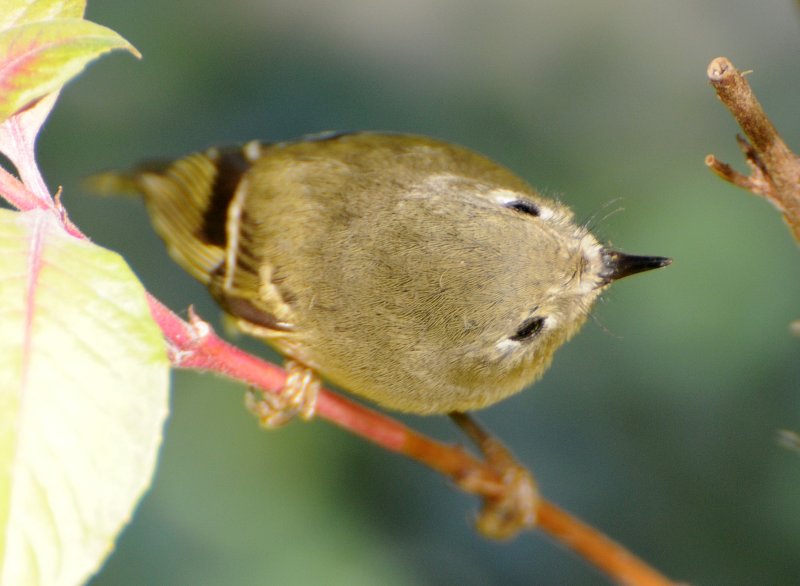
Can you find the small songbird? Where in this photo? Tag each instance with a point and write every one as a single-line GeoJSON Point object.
{"type": "Point", "coordinates": [412, 272]}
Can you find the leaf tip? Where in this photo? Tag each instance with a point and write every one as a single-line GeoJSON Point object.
{"type": "Point", "coordinates": [133, 51]}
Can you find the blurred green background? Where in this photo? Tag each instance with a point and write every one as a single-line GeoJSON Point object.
{"type": "Point", "coordinates": [656, 424]}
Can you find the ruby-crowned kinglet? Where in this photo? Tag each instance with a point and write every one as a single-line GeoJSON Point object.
{"type": "Point", "coordinates": [409, 271]}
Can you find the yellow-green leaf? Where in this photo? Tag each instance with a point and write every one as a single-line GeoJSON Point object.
{"type": "Point", "coordinates": [38, 58]}
{"type": "Point", "coordinates": [83, 399]}
{"type": "Point", "coordinates": [16, 12]}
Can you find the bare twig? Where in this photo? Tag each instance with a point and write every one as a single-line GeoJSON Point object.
{"type": "Point", "coordinates": [618, 563]}
{"type": "Point", "coordinates": [775, 169]}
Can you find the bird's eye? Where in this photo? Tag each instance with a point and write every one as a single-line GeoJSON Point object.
{"type": "Point", "coordinates": [528, 330]}
{"type": "Point", "coordinates": [524, 206]}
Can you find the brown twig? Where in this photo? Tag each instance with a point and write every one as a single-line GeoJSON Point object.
{"type": "Point", "coordinates": [775, 169]}
{"type": "Point", "coordinates": [617, 562]}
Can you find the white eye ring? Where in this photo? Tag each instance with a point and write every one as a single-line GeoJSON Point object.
{"type": "Point", "coordinates": [506, 345]}
{"type": "Point", "coordinates": [506, 198]}
{"type": "Point", "coordinates": [513, 342]}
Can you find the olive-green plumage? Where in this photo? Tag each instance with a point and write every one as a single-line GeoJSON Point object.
{"type": "Point", "coordinates": [406, 270]}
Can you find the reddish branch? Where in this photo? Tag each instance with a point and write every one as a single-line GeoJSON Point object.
{"type": "Point", "coordinates": [774, 168]}
{"type": "Point", "coordinates": [195, 345]}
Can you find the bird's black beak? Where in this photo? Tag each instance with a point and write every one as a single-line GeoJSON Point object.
{"type": "Point", "coordinates": [617, 265]}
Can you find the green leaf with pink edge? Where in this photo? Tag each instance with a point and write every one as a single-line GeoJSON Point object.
{"type": "Point", "coordinates": [38, 58]}
{"type": "Point", "coordinates": [16, 12]}
{"type": "Point", "coordinates": [83, 400]}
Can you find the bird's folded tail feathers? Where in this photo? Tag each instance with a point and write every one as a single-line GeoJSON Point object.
{"type": "Point", "coordinates": [180, 197]}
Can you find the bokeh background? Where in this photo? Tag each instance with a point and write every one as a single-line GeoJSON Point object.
{"type": "Point", "coordinates": [656, 424]}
